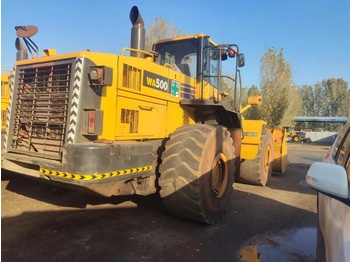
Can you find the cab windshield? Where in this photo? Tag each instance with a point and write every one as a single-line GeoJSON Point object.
{"type": "Point", "coordinates": [181, 54]}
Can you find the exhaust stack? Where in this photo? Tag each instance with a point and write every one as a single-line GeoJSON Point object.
{"type": "Point", "coordinates": [137, 30]}
{"type": "Point", "coordinates": [22, 53]}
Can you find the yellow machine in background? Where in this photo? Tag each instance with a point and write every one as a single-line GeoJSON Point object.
{"type": "Point", "coordinates": [294, 136]}
{"type": "Point", "coordinates": [120, 124]}
{"type": "Point", "coordinates": [260, 147]}
{"type": "Point", "coordinates": [5, 95]}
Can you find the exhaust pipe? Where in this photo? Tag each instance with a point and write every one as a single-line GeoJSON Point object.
{"type": "Point", "coordinates": [137, 31]}
{"type": "Point", "coordinates": [22, 53]}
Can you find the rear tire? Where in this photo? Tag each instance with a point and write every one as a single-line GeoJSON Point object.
{"type": "Point", "coordinates": [258, 171]}
{"type": "Point", "coordinates": [197, 172]}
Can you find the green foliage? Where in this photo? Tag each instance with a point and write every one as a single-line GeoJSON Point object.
{"type": "Point", "coordinates": [160, 29]}
{"type": "Point", "coordinates": [254, 91]}
{"type": "Point", "coordinates": [329, 98]}
{"type": "Point", "coordinates": [336, 97]}
{"type": "Point", "coordinates": [308, 106]}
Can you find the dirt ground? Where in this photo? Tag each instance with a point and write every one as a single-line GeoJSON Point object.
{"type": "Point", "coordinates": [43, 223]}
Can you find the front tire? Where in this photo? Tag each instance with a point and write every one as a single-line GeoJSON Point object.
{"type": "Point", "coordinates": [258, 171]}
{"type": "Point", "coordinates": [197, 172]}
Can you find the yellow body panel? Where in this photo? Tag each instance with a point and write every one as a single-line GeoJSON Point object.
{"type": "Point", "coordinates": [5, 96]}
{"type": "Point", "coordinates": [252, 130]}
{"type": "Point", "coordinates": [280, 161]}
{"type": "Point", "coordinates": [150, 114]}
{"type": "Point", "coordinates": [158, 113]}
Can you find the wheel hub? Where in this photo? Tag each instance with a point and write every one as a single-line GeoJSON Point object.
{"type": "Point", "coordinates": [219, 175]}
{"type": "Point", "coordinates": [267, 159]}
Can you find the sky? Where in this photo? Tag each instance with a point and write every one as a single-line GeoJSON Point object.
{"type": "Point", "coordinates": [314, 34]}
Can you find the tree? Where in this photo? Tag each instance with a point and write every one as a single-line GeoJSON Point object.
{"type": "Point", "coordinates": [336, 97]}
{"type": "Point", "coordinates": [318, 100]}
{"type": "Point", "coordinates": [160, 29]}
{"type": "Point", "coordinates": [276, 79]}
{"type": "Point", "coordinates": [331, 97]}
{"type": "Point", "coordinates": [308, 107]}
{"type": "Point", "coordinates": [294, 108]}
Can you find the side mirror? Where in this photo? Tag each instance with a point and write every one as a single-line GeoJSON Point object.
{"type": "Point", "coordinates": [240, 60]}
{"type": "Point", "coordinates": [328, 178]}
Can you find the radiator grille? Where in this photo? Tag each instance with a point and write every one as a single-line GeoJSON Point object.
{"type": "Point", "coordinates": [41, 110]}
{"type": "Point", "coordinates": [131, 77]}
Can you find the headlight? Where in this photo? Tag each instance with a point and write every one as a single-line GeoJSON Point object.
{"type": "Point", "coordinates": [100, 76]}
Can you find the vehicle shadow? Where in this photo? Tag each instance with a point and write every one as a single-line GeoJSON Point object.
{"type": "Point", "coordinates": [301, 156]}
{"type": "Point", "coordinates": [293, 180]}
{"type": "Point", "coordinates": [40, 190]}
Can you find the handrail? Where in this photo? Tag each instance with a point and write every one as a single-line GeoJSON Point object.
{"type": "Point", "coordinates": [138, 51]}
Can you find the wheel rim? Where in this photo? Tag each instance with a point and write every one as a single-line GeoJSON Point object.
{"type": "Point", "coordinates": [219, 175]}
{"type": "Point", "coordinates": [267, 160]}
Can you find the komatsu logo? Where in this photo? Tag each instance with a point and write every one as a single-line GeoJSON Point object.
{"type": "Point", "coordinates": [156, 81]}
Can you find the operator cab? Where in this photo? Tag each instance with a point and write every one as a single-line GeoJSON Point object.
{"type": "Point", "coordinates": [199, 57]}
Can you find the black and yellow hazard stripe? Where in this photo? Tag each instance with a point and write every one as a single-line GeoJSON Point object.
{"type": "Point", "coordinates": [94, 176]}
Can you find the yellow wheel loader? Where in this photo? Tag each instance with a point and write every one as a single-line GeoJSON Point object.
{"type": "Point", "coordinates": [137, 122]}
{"type": "Point", "coordinates": [263, 151]}
{"type": "Point", "coordinates": [294, 136]}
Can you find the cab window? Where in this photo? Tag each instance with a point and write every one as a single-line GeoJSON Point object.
{"type": "Point", "coordinates": [211, 65]}
{"type": "Point", "coordinates": [181, 54]}
{"type": "Point", "coordinates": [342, 150]}
{"type": "Point", "coordinates": [340, 145]}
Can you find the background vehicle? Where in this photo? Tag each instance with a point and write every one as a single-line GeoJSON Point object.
{"type": "Point", "coordinates": [5, 95]}
{"type": "Point", "coordinates": [332, 181]}
{"type": "Point", "coordinates": [294, 136]}
{"type": "Point", "coordinates": [259, 149]}
{"type": "Point", "coordinates": [120, 125]}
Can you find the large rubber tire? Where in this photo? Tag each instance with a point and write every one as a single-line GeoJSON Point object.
{"type": "Point", "coordinates": [258, 171]}
{"type": "Point", "coordinates": [197, 172]}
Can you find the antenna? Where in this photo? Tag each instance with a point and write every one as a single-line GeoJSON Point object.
{"type": "Point", "coordinates": [26, 32]}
